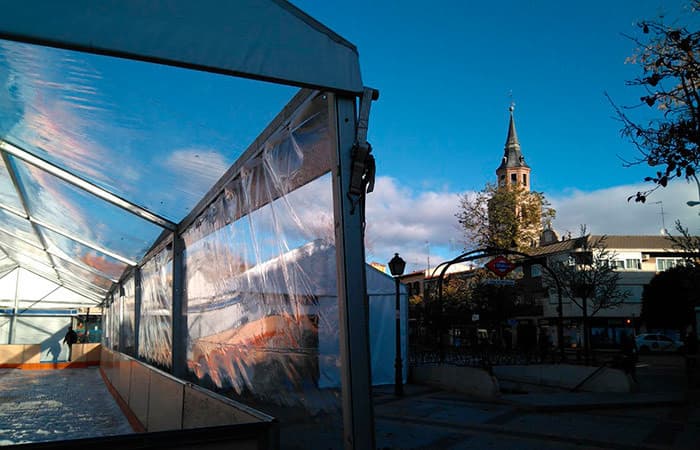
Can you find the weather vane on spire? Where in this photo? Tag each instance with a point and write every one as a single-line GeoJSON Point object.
{"type": "Point", "coordinates": [511, 108]}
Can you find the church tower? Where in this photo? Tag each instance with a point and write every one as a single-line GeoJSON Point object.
{"type": "Point", "coordinates": [514, 211]}
{"type": "Point", "coordinates": [513, 169]}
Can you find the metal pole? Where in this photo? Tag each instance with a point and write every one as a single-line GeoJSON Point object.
{"type": "Point", "coordinates": [179, 322]}
{"type": "Point", "coordinates": [85, 185]}
{"type": "Point", "coordinates": [398, 375]}
{"type": "Point", "coordinates": [358, 410]}
{"type": "Point", "coordinates": [560, 321]}
{"type": "Point", "coordinates": [137, 310]}
{"type": "Point", "coordinates": [15, 310]}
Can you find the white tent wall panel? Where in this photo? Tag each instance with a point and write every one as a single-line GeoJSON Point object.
{"type": "Point", "coordinates": [48, 331]}
{"type": "Point", "coordinates": [36, 292]}
{"type": "Point", "coordinates": [64, 295]}
{"type": "Point", "coordinates": [5, 322]}
{"type": "Point", "coordinates": [31, 287]}
{"type": "Point", "coordinates": [8, 287]}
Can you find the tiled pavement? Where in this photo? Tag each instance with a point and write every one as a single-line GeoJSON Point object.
{"type": "Point", "coordinates": [664, 415]}
{"type": "Point", "coordinates": [69, 404]}
{"type": "Point", "coordinates": [51, 405]}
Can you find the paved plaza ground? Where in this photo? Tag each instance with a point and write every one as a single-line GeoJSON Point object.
{"type": "Point", "coordinates": [664, 414]}
{"type": "Point", "coordinates": [52, 405]}
{"type": "Point", "coordinates": [70, 404]}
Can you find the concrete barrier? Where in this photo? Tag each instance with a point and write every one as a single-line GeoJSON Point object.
{"type": "Point", "coordinates": [165, 404]}
{"type": "Point", "coordinates": [139, 394]}
{"type": "Point", "coordinates": [28, 357]}
{"type": "Point", "coordinates": [205, 408]}
{"type": "Point", "coordinates": [467, 380]}
{"type": "Point", "coordinates": [155, 401]}
{"type": "Point", "coordinates": [564, 376]}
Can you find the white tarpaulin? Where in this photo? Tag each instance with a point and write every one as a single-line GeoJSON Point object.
{"type": "Point", "coordinates": [263, 39]}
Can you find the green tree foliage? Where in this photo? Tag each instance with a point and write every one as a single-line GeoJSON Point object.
{"type": "Point", "coordinates": [668, 301]}
{"type": "Point", "coordinates": [504, 217]}
{"type": "Point", "coordinates": [666, 127]}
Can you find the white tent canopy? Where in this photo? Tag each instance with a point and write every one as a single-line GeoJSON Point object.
{"type": "Point", "coordinates": [269, 40]}
{"type": "Point", "coordinates": [22, 289]}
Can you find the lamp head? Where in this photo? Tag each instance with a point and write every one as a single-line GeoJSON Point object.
{"type": "Point", "coordinates": [397, 265]}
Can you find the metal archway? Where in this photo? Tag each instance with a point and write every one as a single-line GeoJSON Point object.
{"type": "Point", "coordinates": [495, 251]}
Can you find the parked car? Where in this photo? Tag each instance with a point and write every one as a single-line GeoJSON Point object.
{"type": "Point", "coordinates": [650, 342]}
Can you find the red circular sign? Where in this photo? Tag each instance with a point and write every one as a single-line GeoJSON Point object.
{"type": "Point", "coordinates": [500, 266]}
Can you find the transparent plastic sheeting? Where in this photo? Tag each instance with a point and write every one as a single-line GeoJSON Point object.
{"type": "Point", "coordinates": [156, 135]}
{"type": "Point", "coordinates": [73, 210]}
{"type": "Point", "coordinates": [155, 326]}
{"type": "Point", "coordinates": [128, 320]}
{"type": "Point", "coordinates": [261, 289]}
{"type": "Point", "coordinates": [252, 310]}
{"type": "Point", "coordinates": [110, 320]}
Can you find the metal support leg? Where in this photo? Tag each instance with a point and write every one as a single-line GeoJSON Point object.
{"type": "Point", "coordinates": [137, 310]}
{"type": "Point", "coordinates": [179, 314]}
{"type": "Point", "coordinates": [15, 310]}
{"type": "Point", "coordinates": [398, 366]}
{"type": "Point", "coordinates": [358, 412]}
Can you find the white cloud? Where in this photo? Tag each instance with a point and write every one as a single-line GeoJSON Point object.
{"type": "Point", "coordinates": [402, 220]}
{"type": "Point", "coordinates": [607, 211]}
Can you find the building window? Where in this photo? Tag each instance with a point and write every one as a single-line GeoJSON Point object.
{"type": "Point", "coordinates": [513, 178]}
{"type": "Point", "coordinates": [416, 288]}
{"type": "Point", "coordinates": [633, 264]}
{"type": "Point", "coordinates": [668, 263]}
{"type": "Point", "coordinates": [614, 263]}
{"type": "Point", "coordinates": [502, 180]}
{"type": "Point", "coordinates": [524, 179]}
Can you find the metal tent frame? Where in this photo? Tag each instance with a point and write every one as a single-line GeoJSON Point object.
{"type": "Point", "coordinates": [289, 48]}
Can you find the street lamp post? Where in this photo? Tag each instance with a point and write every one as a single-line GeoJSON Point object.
{"type": "Point", "coordinates": [397, 266]}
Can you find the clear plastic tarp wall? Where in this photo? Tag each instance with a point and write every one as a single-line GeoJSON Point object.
{"type": "Point", "coordinates": [155, 325]}
{"type": "Point", "coordinates": [255, 261]}
{"type": "Point", "coordinates": [127, 331]}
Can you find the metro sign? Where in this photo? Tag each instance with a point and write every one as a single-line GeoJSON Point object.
{"type": "Point", "coordinates": [500, 266]}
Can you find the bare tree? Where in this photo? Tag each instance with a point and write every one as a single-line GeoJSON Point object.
{"type": "Point", "coordinates": [589, 279]}
{"type": "Point", "coordinates": [686, 243]}
{"type": "Point", "coordinates": [669, 141]}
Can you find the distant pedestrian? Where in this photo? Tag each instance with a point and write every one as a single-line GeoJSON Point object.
{"type": "Point", "coordinates": [70, 339]}
{"type": "Point", "coordinates": [543, 341]}
{"type": "Point", "coordinates": [629, 356]}
{"type": "Point", "coordinates": [691, 355]}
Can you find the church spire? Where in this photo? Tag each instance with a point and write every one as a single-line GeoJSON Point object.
{"type": "Point", "coordinates": [513, 169]}
{"type": "Point", "coordinates": [512, 156]}
{"type": "Point", "coordinates": [512, 139]}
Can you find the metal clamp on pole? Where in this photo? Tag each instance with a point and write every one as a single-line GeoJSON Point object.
{"type": "Point", "coordinates": [363, 166]}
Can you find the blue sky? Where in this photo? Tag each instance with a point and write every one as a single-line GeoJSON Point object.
{"type": "Point", "coordinates": [445, 71]}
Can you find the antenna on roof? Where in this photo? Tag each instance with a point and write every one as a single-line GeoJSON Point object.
{"type": "Point", "coordinates": [663, 231]}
